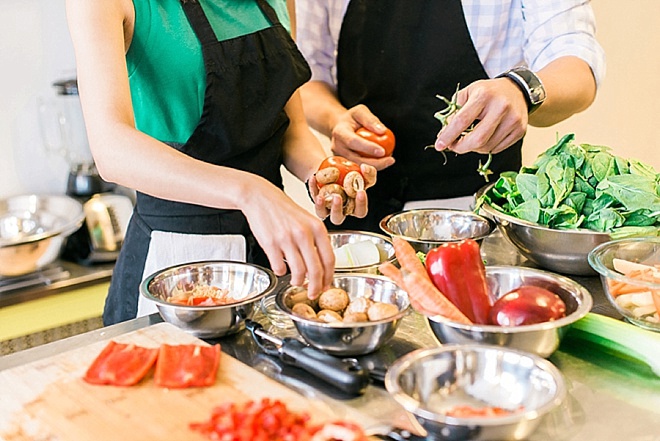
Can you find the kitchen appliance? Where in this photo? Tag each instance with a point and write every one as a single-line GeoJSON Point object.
{"type": "Point", "coordinates": [107, 212]}
{"type": "Point", "coordinates": [63, 132]}
{"type": "Point", "coordinates": [102, 234]}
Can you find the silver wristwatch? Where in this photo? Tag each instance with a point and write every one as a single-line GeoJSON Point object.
{"type": "Point", "coordinates": [530, 85]}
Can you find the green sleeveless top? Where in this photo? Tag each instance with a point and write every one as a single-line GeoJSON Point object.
{"type": "Point", "coordinates": [165, 64]}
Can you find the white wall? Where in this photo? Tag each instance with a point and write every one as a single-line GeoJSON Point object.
{"type": "Point", "coordinates": [35, 50]}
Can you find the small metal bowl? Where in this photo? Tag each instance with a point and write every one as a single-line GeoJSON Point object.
{"type": "Point", "coordinates": [384, 245]}
{"type": "Point", "coordinates": [638, 306]}
{"type": "Point", "coordinates": [426, 229]}
{"type": "Point", "coordinates": [541, 338]}
{"type": "Point", "coordinates": [33, 230]}
{"type": "Point", "coordinates": [563, 251]}
{"type": "Point", "coordinates": [430, 382]}
{"type": "Point", "coordinates": [351, 339]}
{"type": "Point", "coordinates": [247, 283]}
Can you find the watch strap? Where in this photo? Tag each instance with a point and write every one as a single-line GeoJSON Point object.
{"type": "Point", "coordinates": [530, 85]}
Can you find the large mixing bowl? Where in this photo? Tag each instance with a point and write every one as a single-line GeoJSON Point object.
{"type": "Point", "coordinates": [246, 283]}
{"type": "Point", "coordinates": [428, 228]}
{"type": "Point", "coordinates": [384, 245]}
{"type": "Point", "coordinates": [351, 339]}
{"type": "Point", "coordinates": [430, 383]}
{"type": "Point", "coordinates": [33, 229]}
{"type": "Point", "coordinates": [541, 338]}
{"type": "Point", "coordinates": [563, 251]}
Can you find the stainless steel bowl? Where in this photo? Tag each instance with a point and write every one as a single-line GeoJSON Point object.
{"type": "Point", "coordinates": [541, 338]}
{"type": "Point", "coordinates": [33, 229]}
{"type": "Point", "coordinates": [429, 382]}
{"type": "Point", "coordinates": [426, 229]}
{"type": "Point", "coordinates": [563, 251]}
{"type": "Point", "coordinates": [351, 339]}
{"type": "Point", "coordinates": [384, 245]}
{"type": "Point", "coordinates": [247, 283]}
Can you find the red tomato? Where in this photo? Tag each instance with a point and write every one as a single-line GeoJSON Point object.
{"type": "Point", "coordinates": [386, 140]}
{"type": "Point", "coordinates": [527, 305]}
{"type": "Point", "coordinates": [342, 164]}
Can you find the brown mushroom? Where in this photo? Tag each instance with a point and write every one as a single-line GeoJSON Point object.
{"type": "Point", "coordinates": [304, 310]}
{"type": "Point", "coordinates": [359, 305]}
{"type": "Point", "coordinates": [328, 175]}
{"type": "Point", "coordinates": [334, 299]}
{"type": "Point", "coordinates": [381, 311]}
{"type": "Point", "coordinates": [328, 316]}
{"type": "Point", "coordinates": [353, 182]}
{"type": "Point", "coordinates": [327, 191]}
{"type": "Point", "coordinates": [355, 317]}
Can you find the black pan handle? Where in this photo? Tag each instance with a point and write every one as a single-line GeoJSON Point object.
{"type": "Point", "coordinates": [344, 373]}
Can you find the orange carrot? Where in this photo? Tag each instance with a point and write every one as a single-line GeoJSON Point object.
{"type": "Point", "coordinates": [389, 270]}
{"type": "Point", "coordinates": [407, 257]}
{"type": "Point", "coordinates": [426, 299]}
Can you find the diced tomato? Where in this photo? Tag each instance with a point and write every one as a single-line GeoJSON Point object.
{"type": "Point", "coordinates": [121, 364]}
{"type": "Point", "coordinates": [270, 420]}
{"type": "Point", "coordinates": [181, 366]}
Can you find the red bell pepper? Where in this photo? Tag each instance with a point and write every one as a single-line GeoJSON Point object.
{"type": "Point", "coordinates": [457, 270]}
{"type": "Point", "coordinates": [121, 364]}
{"type": "Point", "coordinates": [181, 366]}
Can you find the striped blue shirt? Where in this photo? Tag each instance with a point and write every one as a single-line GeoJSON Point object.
{"type": "Point", "coordinates": [505, 33]}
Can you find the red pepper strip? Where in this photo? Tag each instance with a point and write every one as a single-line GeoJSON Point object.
{"type": "Point", "coordinates": [183, 366]}
{"type": "Point", "coordinates": [458, 271]}
{"type": "Point", "coordinates": [121, 364]}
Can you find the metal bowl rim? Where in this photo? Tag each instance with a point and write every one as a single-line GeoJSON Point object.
{"type": "Point", "coordinates": [584, 306]}
{"type": "Point", "coordinates": [144, 286]}
{"type": "Point", "coordinates": [279, 296]}
{"type": "Point", "coordinates": [411, 405]}
{"type": "Point", "coordinates": [69, 227]}
{"type": "Point", "coordinates": [384, 227]}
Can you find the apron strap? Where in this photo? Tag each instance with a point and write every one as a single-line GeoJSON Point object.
{"type": "Point", "coordinates": [269, 12]}
{"type": "Point", "coordinates": [199, 21]}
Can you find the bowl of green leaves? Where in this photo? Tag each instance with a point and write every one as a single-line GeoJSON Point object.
{"type": "Point", "coordinates": [572, 199]}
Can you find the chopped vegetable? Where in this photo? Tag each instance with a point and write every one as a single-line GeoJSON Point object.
{"type": "Point", "coordinates": [360, 253]}
{"type": "Point", "coordinates": [271, 420]}
{"type": "Point", "coordinates": [457, 270]}
{"type": "Point", "coordinates": [184, 366]}
{"type": "Point", "coordinates": [201, 295]}
{"type": "Point", "coordinates": [467, 411]}
{"type": "Point", "coordinates": [121, 364]}
{"type": "Point", "coordinates": [575, 185]}
{"type": "Point", "coordinates": [640, 300]}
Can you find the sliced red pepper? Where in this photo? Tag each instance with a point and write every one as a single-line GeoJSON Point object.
{"type": "Point", "coordinates": [458, 271]}
{"type": "Point", "coordinates": [181, 366]}
{"type": "Point", "coordinates": [121, 364]}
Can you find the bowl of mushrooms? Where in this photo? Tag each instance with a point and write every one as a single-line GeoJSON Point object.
{"type": "Point", "coordinates": [355, 316]}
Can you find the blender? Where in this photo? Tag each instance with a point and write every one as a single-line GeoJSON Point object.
{"type": "Point", "coordinates": [107, 212]}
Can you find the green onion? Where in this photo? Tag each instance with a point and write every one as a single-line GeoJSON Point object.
{"type": "Point", "coordinates": [620, 337]}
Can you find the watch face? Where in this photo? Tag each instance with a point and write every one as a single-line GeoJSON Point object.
{"type": "Point", "coordinates": [535, 88]}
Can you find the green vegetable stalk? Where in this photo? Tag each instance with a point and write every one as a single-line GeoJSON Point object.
{"type": "Point", "coordinates": [445, 114]}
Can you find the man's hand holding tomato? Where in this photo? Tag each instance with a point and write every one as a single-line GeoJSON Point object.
{"type": "Point", "coordinates": [373, 147]}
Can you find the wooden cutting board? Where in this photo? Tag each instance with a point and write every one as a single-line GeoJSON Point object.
{"type": "Point", "coordinates": [48, 400]}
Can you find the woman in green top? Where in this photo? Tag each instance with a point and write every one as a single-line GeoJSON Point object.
{"type": "Point", "coordinates": [194, 104]}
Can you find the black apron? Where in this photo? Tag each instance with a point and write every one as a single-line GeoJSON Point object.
{"type": "Point", "coordinates": [395, 57]}
{"type": "Point", "coordinates": [249, 80]}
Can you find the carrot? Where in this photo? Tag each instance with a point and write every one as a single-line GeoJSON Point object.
{"type": "Point", "coordinates": [426, 299]}
{"type": "Point", "coordinates": [389, 270]}
{"type": "Point", "coordinates": [407, 258]}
